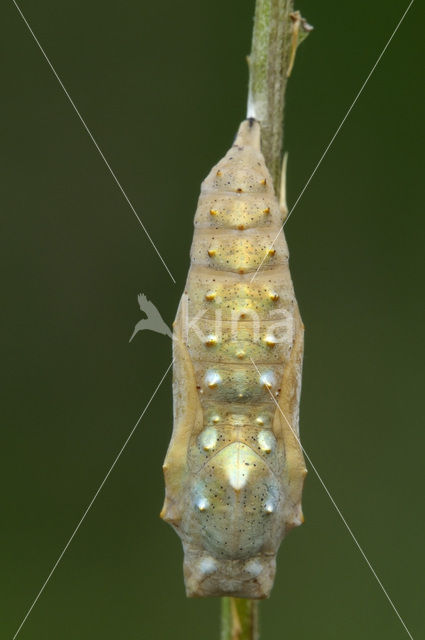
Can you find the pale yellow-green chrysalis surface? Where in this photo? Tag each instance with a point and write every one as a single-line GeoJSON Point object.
{"type": "Point", "coordinates": [234, 469]}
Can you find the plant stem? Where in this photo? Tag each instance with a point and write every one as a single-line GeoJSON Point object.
{"type": "Point", "coordinates": [239, 619]}
{"type": "Point", "coordinates": [277, 32]}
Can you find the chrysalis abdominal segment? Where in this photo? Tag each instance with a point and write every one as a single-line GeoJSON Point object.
{"type": "Point", "coordinates": [234, 470]}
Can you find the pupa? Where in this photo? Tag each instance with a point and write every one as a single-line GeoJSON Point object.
{"type": "Point", "coordinates": [234, 469]}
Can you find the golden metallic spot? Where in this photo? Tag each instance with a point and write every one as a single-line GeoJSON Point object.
{"type": "Point", "coordinates": [242, 315]}
{"type": "Point", "coordinates": [208, 439]}
{"type": "Point", "coordinates": [260, 421]}
{"type": "Point", "coordinates": [239, 190]}
{"type": "Point", "coordinates": [274, 296]}
{"type": "Point", "coordinates": [267, 380]}
{"type": "Point", "coordinates": [216, 419]}
{"type": "Point", "coordinates": [218, 173]}
{"type": "Point", "coordinates": [211, 253]}
{"type": "Point", "coordinates": [212, 379]}
{"type": "Point", "coordinates": [213, 212]}
{"type": "Point", "coordinates": [202, 504]}
{"type": "Point", "coordinates": [270, 341]}
{"type": "Point", "coordinates": [271, 252]}
{"type": "Point", "coordinates": [240, 355]}
{"type": "Point", "coordinates": [240, 395]}
{"type": "Point", "coordinates": [267, 441]}
{"type": "Point", "coordinates": [211, 341]}
{"type": "Point", "coordinates": [266, 211]}
{"type": "Point", "coordinates": [210, 295]}
{"type": "Point", "coordinates": [241, 271]}
{"type": "Point", "coordinates": [241, 227]}
{"type": "Point", "coordinates": [263, 181]}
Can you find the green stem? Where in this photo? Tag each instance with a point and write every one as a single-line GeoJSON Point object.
{"type": "Point", "coordinates": [277, 32]}
{"type": "Point", "coordinates": [239, 619]}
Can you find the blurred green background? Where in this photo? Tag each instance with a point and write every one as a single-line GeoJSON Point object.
{"type": "Point", "coordinates": [162, 86]}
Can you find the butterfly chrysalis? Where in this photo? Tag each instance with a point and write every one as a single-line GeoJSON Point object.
{"type": "Point", "coordinates": [234, 469]}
